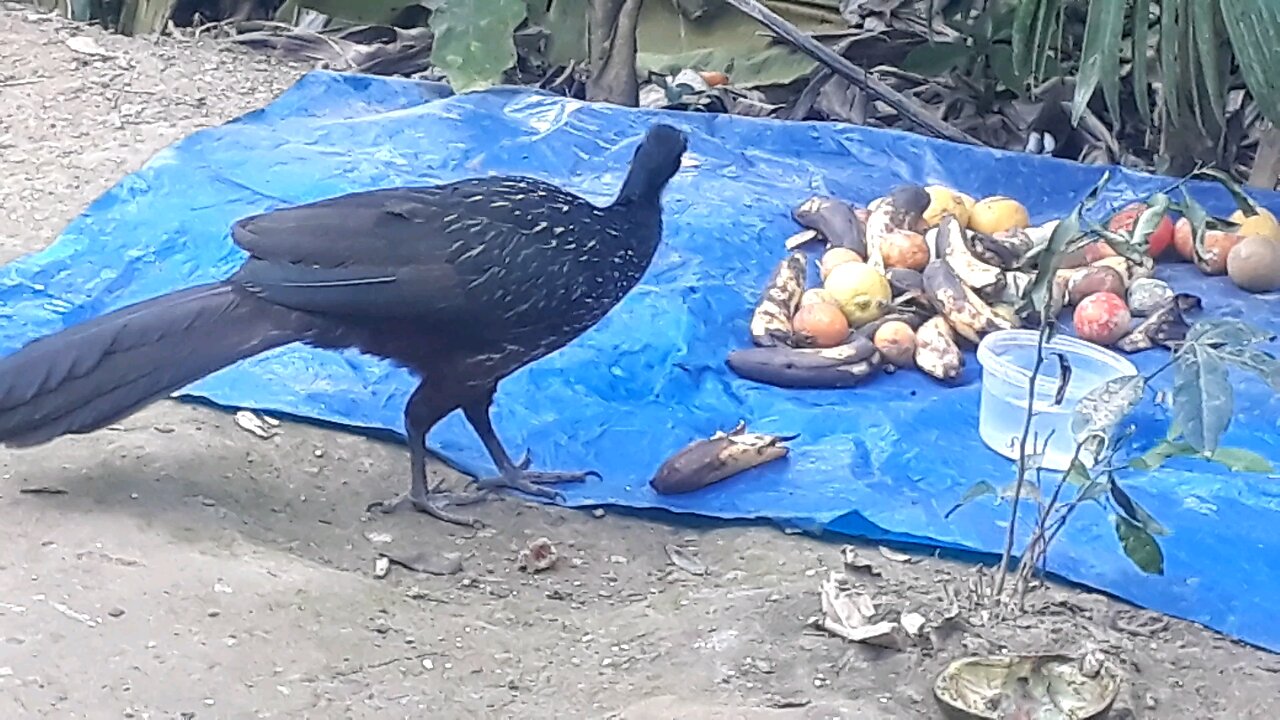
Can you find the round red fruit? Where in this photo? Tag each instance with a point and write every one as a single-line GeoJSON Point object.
{"type": "Point", "coordinates": [1102, 318]}
{"type": "Point", "coordinates": [1124, 221]}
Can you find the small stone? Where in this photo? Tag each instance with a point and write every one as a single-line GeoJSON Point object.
{"type": "Point", "coordinates": [597, 513]}
{"type": "Point", "coordinates": [116, 612]}
{"type": "Point", "coordinates": [213, 612]}
{"type": "Point", "coordinates": [208, 502]}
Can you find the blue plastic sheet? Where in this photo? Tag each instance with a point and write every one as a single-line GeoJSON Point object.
{"type": "Point", "coordinates": [885, 460]}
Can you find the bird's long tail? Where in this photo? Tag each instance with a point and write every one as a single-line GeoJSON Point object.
{"type": "Point", "coordinates": [93, 374]}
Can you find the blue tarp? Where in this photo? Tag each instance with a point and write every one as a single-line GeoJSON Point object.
{"type": "Point", "coordinates": [885, 460]}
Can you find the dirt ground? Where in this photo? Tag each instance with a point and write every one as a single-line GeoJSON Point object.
{"type": "Point", "coordinates": [193, 570]}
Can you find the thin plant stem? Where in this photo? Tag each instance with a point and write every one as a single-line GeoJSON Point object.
{"type": "Point", "coordinates": [1038, 544]}
{"type": "Point", "coordinates": [1022, 463]}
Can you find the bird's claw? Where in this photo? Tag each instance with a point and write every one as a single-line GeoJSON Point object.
{"type": "Point", "coordinates": [432, 504]}
{"type": "Point", "coordinates": [534, 482]}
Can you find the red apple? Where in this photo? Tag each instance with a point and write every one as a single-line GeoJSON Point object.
{"type": "Point", "coordinates": [1102, 318]}
{"type": "Point", "coordinates": [1124, 221]}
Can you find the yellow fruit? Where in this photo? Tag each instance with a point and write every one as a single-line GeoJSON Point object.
{"type": "Point", "coordinates": [1239, 215]}
{"type": "Point", "coordinates": [860, 290]}
{"type": "Point", "coordinates": [816, 296]}
{"type": "Point", "coordinates": [998, 213]}
{"type": "Point", "coordinates": [1254, 265]}
{"type": "Point", "coordinates": [1261, 225]}
{"type": "Point", "coordinates": [943, 200]}
{"type": "Point", "coordinates": [836, 256]}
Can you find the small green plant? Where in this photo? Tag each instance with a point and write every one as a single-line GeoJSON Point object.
{"type": "Point", "coordinates": [1201, 404]}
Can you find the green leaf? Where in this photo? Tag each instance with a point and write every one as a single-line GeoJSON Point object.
{"type": "Point", "coordinates": [1001, 61]}
{"type": "Point", "coordinates": [1234, 459]}
{"type": "Point", "coordinates": [1030, 491]}
{"type": "Point", "coordinates": [1198, 218]}
{"type": "Point", "coordinates": [1259, 362]}
{"type": "Point", "coordinates": [1078, 474]}
{"type": "Point", "coordinates": [1254, 29]}
{"type": "Point", "coordinates": [936, 58]}
{"type": "Point", "coordinates": [1103, 30]}
{"type": "Point", "coordinates": [1125, 247]}
{"type": "Point", "coordinates": [1104, 407]}
{"type": "Point", "coordinates": [1204, 28]}
{"type": "Point", "coordinates": [1149, 220]}
{"type": "Point", "coordinates": [1093, 491]}
{"type": "Point", "coordinates": [1139, 546]}
{"type": "Point", "coordinates": [728, 41]}
{"type": "Point", "coordinates": [473, 43]}
{"type": "Point", "coordinates": [977, 490]}
{"type": "Point", "coordinates": [1202, 396]}
{"type": "Point", "coordinates": [1040, 292]}
{"type": "Point", "coordinates": [1034, 24]}
{"type": "Point", "coordinates": [1168, 47]}
{"type": "Point", "coordinates": [1227, 331]}
{"type": "Point", "coordinates": [1136, 512]}
{"type": "Point", "coordinates": [1241, 198]}
{"type": "Point", "coordinates": [1140, 43]}
{"type": "Point", "coordinates": [1241, 460]}
{"type": "Point", "coordinates": [1156, 456]}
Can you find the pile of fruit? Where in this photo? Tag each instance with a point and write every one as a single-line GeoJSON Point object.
{"type": "Point", "coordinates": [922, 272]}
{"type": "Point", "coordinates": [1246, 249]}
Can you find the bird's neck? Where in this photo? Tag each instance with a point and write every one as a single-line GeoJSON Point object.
{"type": "Point", "coordinates": [644, 183]}
{"type": "Point", "coordinates": [643, 218]}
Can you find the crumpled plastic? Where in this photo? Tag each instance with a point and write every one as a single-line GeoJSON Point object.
{"type": "Point", "coordinates": [884, 461]}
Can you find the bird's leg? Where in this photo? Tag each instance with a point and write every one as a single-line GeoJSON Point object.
{"type": "Point", "coordinates": [510, 474]}
{"type": "Point", "coordinates": [423, 411]}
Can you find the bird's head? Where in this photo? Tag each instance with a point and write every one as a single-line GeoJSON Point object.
{"type": "Point", "coordinates": [656, 160]}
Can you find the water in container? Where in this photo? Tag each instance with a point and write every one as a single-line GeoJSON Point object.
{"type": "Point", "coordinates": [1007, 358]}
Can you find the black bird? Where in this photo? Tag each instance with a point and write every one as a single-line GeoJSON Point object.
{"type": "Point", "coordinates": [461, 283]}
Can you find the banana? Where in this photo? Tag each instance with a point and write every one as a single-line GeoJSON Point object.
{"type": "Point", "coordinates": [838, 367]}
{"type": "Point", "coordinates": [834, 220]}
{"type": "Point", "coordinates": [904, 280]}
{"type": "Point", "coordinates": [1128, 269]}
{"type": "Point", "coordinates": [953, 248]}
{"type": "Point", "coordinates": [802, 238]}
{"type": "Point", "coordinates": [936, 351]}
{"type": "Point", "coordinates": [716, 458]}
{"type": "Point", "coordinates": [914, 320]}
{"type": "Point", "coordinates": [967, 313]}
{"type": "Point", "coordinates": [771, 321]}
{"type": "Point", "coordinates": [1005, 250]}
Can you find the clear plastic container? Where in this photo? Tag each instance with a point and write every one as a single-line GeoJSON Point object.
{"type": "Point", "coordinates": [1007, 358]}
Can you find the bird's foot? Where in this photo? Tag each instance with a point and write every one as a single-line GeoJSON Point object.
{"type": "Point", "coordinates": [533, 482]}
{"type": "Point", "coordinates": [433, 504]}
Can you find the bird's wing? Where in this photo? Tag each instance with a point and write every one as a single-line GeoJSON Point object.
{"type": "Point", "coordinates": [384, 253]}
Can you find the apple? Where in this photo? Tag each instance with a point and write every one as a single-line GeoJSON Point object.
{"type": "Point", "coordinates": [1124, 221]}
